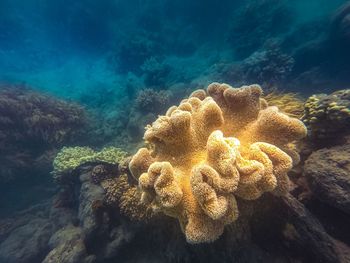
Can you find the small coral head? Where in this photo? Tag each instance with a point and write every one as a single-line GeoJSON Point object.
{"type": "Point", "coordinates": [216, 145]}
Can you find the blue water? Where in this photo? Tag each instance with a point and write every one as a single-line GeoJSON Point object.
{"type": "Point", "coordinates": [73, 49]}
{"type": "Point", "coordinates": [101, 54]}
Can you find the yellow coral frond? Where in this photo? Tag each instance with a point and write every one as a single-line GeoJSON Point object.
{"type": "Point", "coordinates": [214, 146]}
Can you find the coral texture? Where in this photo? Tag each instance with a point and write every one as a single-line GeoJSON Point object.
{"type": "Point", "coordinates": [269, 66]}
{"type": "Point", "coordinates": [289, 103]}
{"type": "Point", "coordinates": [150, 100]}
{"type": "Point", "coordinates": [69, 158]}
{"type": "Point", "coordinates": [32, 125]}
{"type": "Point", "coordinates": [216, 145]}
{"type": "Point", "coordinates": [105, 167]}
{"type": "Point", "coordinates": [328, 116]}
{"type": "Point", "coordinates": [120, 192]}
{"type": "Point", "coordinates": [155, 72]}
{"type": "Point", "coordinates": [327, 171]}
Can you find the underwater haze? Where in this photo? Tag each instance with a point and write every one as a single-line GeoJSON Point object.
{"type": "Point", "coordinates": [251, 165]}
{"type": "Point", "coordinates": [73, 49]}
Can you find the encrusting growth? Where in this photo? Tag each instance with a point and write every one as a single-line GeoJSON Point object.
{"type": "Point", "coordinates": [289, 103]}
{"type": "Point", "coordinates": [328, 116]}
{"type": "Point", "coordinates": [215, 146]}
{"type": "Point", "coordinates": [118, 191]}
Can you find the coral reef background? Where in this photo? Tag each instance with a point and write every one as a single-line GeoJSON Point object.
{"type": "Point", "coordinates": [84, 84]}
{"type": "Point", "coordinates": [72, 49]}
{"type": "Point", "coordinates": [115, 53]}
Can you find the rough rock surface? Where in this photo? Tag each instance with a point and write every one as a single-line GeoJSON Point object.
{"type": "Point", "coordinates": [68, 247]}
{"type": "Point", "coordinates": [294, 228]}
{"type": "Point", "coordinates": [90, 195]}
{"type": "Point", "coordinates": [27, 243]}
{"type": "Point", "coordinates": [309, 233]}
{"type": "Point", "coordinates": [97, 233]}
{"type": "Point", "coordinates": [79, 228]}
{"type": "Point", "coordinates": [328, 174]}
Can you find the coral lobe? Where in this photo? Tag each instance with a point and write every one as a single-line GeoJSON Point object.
{"type": "Point", "coordinates": [214, 146]}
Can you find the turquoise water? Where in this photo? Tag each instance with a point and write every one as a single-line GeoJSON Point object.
{"type": "Point", "coordinates": [95, 73]}
{"type": "Point", "coordinates": [72, 49]}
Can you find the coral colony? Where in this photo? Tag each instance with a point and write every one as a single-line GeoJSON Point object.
{"type": "Point", "coordinates": [216, 145]}
{"type": "Point", "coordinates": [115, 147]}
{"type": "Point", "coordinates": [29, 118]}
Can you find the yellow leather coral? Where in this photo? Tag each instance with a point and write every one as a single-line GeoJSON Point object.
{"type": "Point", "coordinates": [216, 145]}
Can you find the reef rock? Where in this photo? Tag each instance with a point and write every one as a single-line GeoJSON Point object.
{"type": "Point", "coordinates": [86, 226]}
{"type": "Point", "coordinates": [298, 229]}
{"type": "Point", "coordinates": [98, 230]}
{"type": "Point", "coordinates": [68, 247]}
{"type": "Point", "coordinates": [328, 173]}
{"type": "Point", "coordinates": [27, 243]}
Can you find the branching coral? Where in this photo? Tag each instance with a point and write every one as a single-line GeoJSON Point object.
{"type": "Point", "coordinates": [149, 100]}
{"type": "Point", "coordinates": [32, 125]}
{"type": "Point", "coordinates": [147, 105]}
{"type": "Point", "coordinates": [29, 114]}
{"type": "Point", "coordinates": [155, 72]}
{"type": "Point", "coordinates": [69, 158]}
{"type": "Point", "coordinates": [328, 116]}
{"type": "Point", "coordinates": [269, 66]}
{"type": "Point", "coordinates": [214, 146]}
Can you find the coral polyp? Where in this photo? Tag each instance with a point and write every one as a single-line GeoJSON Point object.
{"type": "Point", "coordinates": [328, 116]}
{"type": "Point", "coordinates": [215, 146]}
{"type": "Point", "coordinates": [289, 103]}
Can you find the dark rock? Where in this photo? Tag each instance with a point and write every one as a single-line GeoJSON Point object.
{"type": "Point", "coordinates": [85, 229]}
{"type": "Point", "coordinates": [27, 243]}
{"type": "Point", "coordinates": [309, 233]}
{"type": "Point", "coordinates": [9, 224]}
{"type": "Point", "coordinates": [284, 223]}
{"type": "Point", "coordinates": [328, 174]}
{"type": "Point", "coordinates": [68, 247]}
{"type": "Point", "coordinates": [343, 250]}
{"type": "Point", "coordinates": [90, 200]}
{"type": "Point", "coordinates": [25, 236]}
